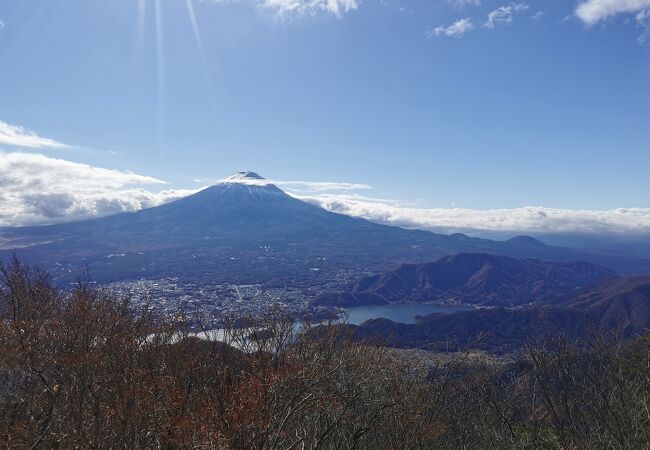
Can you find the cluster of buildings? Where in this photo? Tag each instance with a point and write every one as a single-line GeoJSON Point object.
{"type": "Point", "coordinates": [209, 303]}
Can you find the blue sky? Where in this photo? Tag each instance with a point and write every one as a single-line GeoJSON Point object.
{"type": "Point", "coordinates": [547, 104]}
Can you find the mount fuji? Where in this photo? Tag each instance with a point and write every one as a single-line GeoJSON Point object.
{"type": "Point", "coordinates": [245, 229]}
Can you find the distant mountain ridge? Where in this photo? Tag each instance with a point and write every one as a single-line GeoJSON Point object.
{"type": "Point", "coordinates": [614, 307]}
{"type": "Point", "coordinates": [247, 230]}
{"type": "Point", "coordinates": [526, 241]}
{"type": "Point", "coordinates": [473, 278]}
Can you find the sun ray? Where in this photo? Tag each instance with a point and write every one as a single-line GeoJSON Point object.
{"type": "Point", "coordinates": [195, 27]}
{"type": "Point", "coordinates": [199, 45]}
{"type": "Point", "coordinates": [33, 19]}
{"type": "Point", "coordinates": [139, 36]}
{"type": "Point", "coordinates": [160, 70]}
{"type": "Point", "coordinates": [141, 22]}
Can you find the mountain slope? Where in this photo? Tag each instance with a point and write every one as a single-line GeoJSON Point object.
{"type": "Point", "coordinates": [246, 230]}
{"type": "Point", "coordinates": [622, 303]}
{"type": "Point", "coordinates": [474, 278]}
{"type": "Point", "coordinates": [614, 306]}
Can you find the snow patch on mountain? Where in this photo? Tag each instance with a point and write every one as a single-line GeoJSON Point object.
{"type": "Point", "coordinates": [246, 177]}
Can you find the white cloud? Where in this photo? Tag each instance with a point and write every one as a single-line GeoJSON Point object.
{"type": "Point", "coordinates": [593, 11]}
{"type": "Point", "coordinates": [2, 25]}
{"type": "Point", "coordinates": [295, 186]}
{"type": "Point", "coordinates": [37, 189]}
{"type": "Point", "coordinates": [319, 186]}
{"type": "Point", "coordinates": [299, 7]}
{"type": "Point", "coordinates": [643, 20]}
{"type": "Point", "coordinates": [533, 219]}
{"type": "Point", "coordinates": [503, 15]}
{"type": "Point", "coordinates": [463, 3]}
{"type": "Point", "coordinates": [456, 29]}
{"type": "Point", "coordinates": [537, 15]}
{"type": "Point", "coordinates": [21, 137]}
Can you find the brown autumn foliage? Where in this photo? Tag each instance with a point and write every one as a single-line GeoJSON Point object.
{"type": "Point", "coordinates": [82, 369]}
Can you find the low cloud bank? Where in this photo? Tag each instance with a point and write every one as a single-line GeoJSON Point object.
{"type": "Point", "coordinates": [529, 219]}
{"type": "Point", "coordinates": [36, 189]}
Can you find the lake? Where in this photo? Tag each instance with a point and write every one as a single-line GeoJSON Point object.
{"type": "Point", "coordinates": [398, 312]}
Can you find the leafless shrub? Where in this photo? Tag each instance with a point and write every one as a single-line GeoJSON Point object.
{"type": "Point", "coordinates": [82, 369]}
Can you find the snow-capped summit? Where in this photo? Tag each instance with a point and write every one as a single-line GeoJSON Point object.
{"type": "Point", "coordinates": [242, 217]}
{"type": "Point", "coordinates": [245, 177]}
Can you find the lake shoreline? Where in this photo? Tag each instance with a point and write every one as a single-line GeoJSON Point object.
{"type": "Point", "coordinates": [407, 313]}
